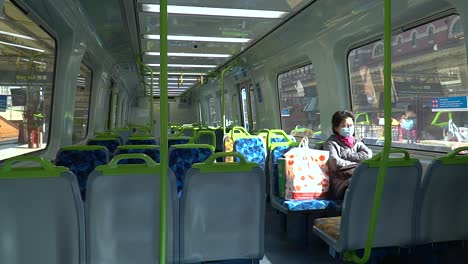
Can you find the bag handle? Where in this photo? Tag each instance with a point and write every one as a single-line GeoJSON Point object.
{"type": "Point", "coordinates": [214, 156]}
{"type": "Point", "coordinates": [44, 163]}
{"type": "Point", "coordinates": [304, 143]}
{"type": "Point", "coordinates": [114, 163]}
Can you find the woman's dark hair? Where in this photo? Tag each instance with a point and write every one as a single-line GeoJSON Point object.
{"type": "Point", "coordinates": [338, 117]}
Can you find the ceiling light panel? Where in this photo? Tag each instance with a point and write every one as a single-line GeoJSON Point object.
{"type": "Point", "coordinates": [16, 35]}
{"type": "Point", "coordinates": [182, 54]}
{"type": "Point", "coordinates": [172, 87]}
{"type": "Point", "coordinates": [199, 38]}
{"type": "Point", "coordinates": [215, 11]}
{"type": "Point", "coordinates": [183, 73]}
{"type": "Point", "coordinates": [173, 79]}
{"type": "Point", "coordinates": [184, 65]}
{"type": "Point", "coordinates": [281, 5]}
{"type": "Point", "coordinates": [187, 46]}
{"type": "Point", "coordinates": [21, 46]}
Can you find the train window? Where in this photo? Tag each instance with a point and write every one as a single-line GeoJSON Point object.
{"type": "Point", "coordinates": [252, 108]}
{"type": "Point", "coordinates": [27, 68]}
{"type": "Point", "coordinates": [109, 110]}
{"type": "Point", "coordinates": [299, 104]}
{"type": "Point", "coordinates": [245, 111]}
{"type": "Point", "coordinates": [236, 121]}
{"type": "Point", "coordinates": [213, 114]}
{"type": "Point", "coordinates": [429, 88]}
{"type": "Point", "coordinates": [228, 109]}
{"type": "Point", "coordinates": [82, 101]}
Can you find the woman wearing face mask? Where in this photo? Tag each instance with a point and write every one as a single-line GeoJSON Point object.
{"type": "Point", "coordinates": [345, 153]}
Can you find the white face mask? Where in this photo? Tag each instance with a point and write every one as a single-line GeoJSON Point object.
{"type": "Point", "coordinates": [347, 131]}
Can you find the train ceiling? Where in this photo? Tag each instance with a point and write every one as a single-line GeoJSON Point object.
{"type": "Point", "coordinates": [204, 35]}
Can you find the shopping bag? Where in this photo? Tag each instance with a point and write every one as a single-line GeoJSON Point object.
{"type": "Point", "coordinates": [307, 175]}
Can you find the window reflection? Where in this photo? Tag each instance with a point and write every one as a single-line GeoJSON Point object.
{"type": "Point", "coordinates": [299, 102]}
{"type": "Point", "coordinates": [426, 68]}
{"type": "Point", "coordinates": [27, 63]}
{"type": "Point", "coordinates": [82, 101]}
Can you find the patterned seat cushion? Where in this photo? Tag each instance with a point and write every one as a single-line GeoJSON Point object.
{"type": "Point", "coordinates": [177, 141]}
{"type": "Point", "coordinates": [111, 145]}
{"type": "Point", "coordinates": [330, 225]}
{"type": "Point", "coordinates": [304, 205]}
{"type": "Point", "coordinates": [82, 163]}
{"type": "Point", "coordinates": [182, 159]}
{"type": "Point", "coordinates": [277, 153]}
{"type": "Point", "coordinates": [252, 149]}
{"type": "Point", "coordinates": [134, 141]}
{"type": "Point", "coordinates": [151, 152]}
{"type": "Point", "coordinates": [277, 140]}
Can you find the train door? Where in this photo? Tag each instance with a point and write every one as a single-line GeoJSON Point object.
{"type": "Point", "coordinates": [248, 105]}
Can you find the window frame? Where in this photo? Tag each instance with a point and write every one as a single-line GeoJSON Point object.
{"type": "Point", "coordinates": [408, 27]}
{"type": "Point", "coordinates": [285, 70]}
{"type": "Point", "coordinates": [31, 14]}
{"type": "Point", "coordinates": [85, 63]}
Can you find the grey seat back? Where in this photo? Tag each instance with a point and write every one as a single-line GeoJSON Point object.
{"type": "Point", "coordinates": [41, 215]}
{"type": "Point", "coordinates": [223, 211]}
{"type": "Point", "coordinates": [443, 200]}
{"type": "Point", "coordinates": [396, 215]}
{"type": "Point", "coordinates": [122, 213]}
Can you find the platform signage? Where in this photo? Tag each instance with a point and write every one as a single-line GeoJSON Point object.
{"type": "Point", "coordinates": [446, 104]}
{"type": "Point", "coordinates": [3, 103]}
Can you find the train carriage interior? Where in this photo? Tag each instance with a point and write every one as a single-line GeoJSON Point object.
{"type": "Point", "coordinates": [156, 131]}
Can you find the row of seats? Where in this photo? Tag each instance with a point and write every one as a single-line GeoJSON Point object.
{"type": "Point", "coordinates": [265, 149]}
{"type": "Point", "coordinates": [44, 221]}
{"type": "Point", "coordinates": [82, 160]}
{"type": "Point", "coordinates": [414, 210]}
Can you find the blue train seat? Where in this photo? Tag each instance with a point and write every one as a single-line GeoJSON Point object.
{"type": "Point", "coordinates": [42, 218]}
{"type": "Point", "coordinates": [122, 213]}
{"type": "Point", "coordinates": [222, 211]}
{"type": "Point", "coordinates": [82, 160]}
{"type": "Point", "coordinates": [443, 200]}
{"type": "Point", "coordinates": [110, 143]}
{"type": "Point", "coordinates": [141, 140]}
{"type": "Point", "coordinates": [396, 215]}
{"type": "Point", "coordinates": [252, 149]}
{"type": "Point", "coordinates": [271, 137]}
{"type": "Point", "coordinates": [182, 157]}
{"type": "Point", "coordinates": [151, 150]}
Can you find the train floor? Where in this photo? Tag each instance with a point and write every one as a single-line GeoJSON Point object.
{"type": "Point", "coordinates": [281, 250]}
